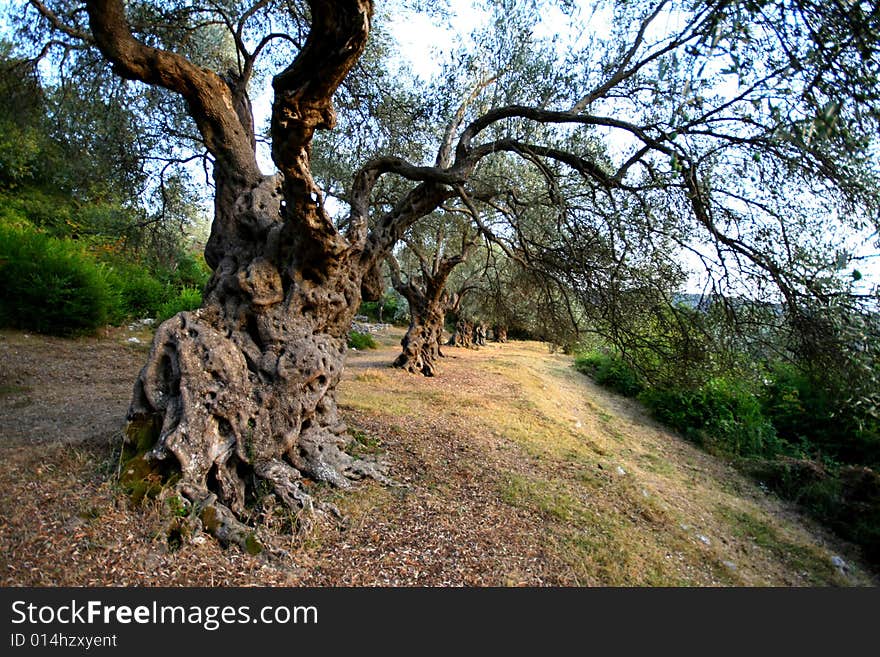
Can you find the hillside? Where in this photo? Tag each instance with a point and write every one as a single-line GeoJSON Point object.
{"type": "Point", "coordinates": [513, 469]}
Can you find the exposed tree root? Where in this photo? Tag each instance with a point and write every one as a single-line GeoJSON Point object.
{"type": "Point", "coordinates": [221, 411]}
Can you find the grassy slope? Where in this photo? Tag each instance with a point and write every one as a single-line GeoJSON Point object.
{"type": "Point", "coordinates": [621, 500]}
{"type": "Point", "coordinates": [514, 469]}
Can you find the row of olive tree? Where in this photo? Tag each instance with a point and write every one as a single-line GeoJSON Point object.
{"type": "Point", "coordinates": [718, 122]}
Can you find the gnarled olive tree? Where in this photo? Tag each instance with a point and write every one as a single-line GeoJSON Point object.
{"type": "Point", "coordinates": [428, 298]}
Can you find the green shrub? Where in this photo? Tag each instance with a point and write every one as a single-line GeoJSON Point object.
{"type": "Point", "coordinates": [140, 294]}
{"type": "Point", "coordinates": [390, 306]}
{"type": "Point", "coordinates": [846, 498]}
{"type": "Point", "coordinates": [800, 410]}
{"type": "Point", "coordinates": [721, 414]}
{"type": "Point", "coordinates": [819, 418]}
{"type": "Point", "coordinates": [189, 270]}
{"type": "Point", "coordinates": [370, 310]}
{"type": "Point", "coordinates": [189, 298]}
{"type": "Point", "coordinates": [50, 285]}
{"type": "Point", "coordinates": [49, 211]}
{"type": "Point", "coordinates": [360, 341]}
{"type": "Point", "coordinates": [611, 371]}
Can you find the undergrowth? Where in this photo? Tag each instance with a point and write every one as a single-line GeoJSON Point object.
{"type": "Point", "coordinates": [785, 429]}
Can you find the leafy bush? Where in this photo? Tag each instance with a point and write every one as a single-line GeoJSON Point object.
{"type": "Point", "coordinates": [369, 309]}
{"type": "Point", "coordinates": [846, 498]}
{"type": "Point", "coordinates": [611, 371]}
{"type": "Point", "coordinates": [393, 305]}
{"type": "Point", "coordinates": [791, 425]}
{"type": "Point", "coordinates": [721, 414]}
{"type": "Point", "coordinates": [189, 298]}
{"type": "Point", "coordinates": [140, 294]}
{"type": "Point", "coordinates": [189, 271]}
{"type": "Point", "coordinates": [50, 285]}
{"type": "Point", "coordinates": [809, 413]}
{"type": "Point", "coordinates": [359, 341]}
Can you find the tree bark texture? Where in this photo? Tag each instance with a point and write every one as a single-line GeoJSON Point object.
{"type": "Point", "coordinates": [463, 335]}
{"type": "Point", "coordinates": [427, 298]}
{"type": "Point", "coordinates": [243, 389]}
{"type": "Point", "coordinates": [421, 344]}
{"type": "Point", "coordinates": [480, 332]}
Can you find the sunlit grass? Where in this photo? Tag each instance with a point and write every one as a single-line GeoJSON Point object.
{"type": "Point", "coordinates": [623, 502]}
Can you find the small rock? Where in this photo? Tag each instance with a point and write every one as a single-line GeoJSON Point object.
{"type": "Point", "coordinates": [577, 424]}
{"type": "Point", "coordinates": [620, 471]}
{"type": "Point", "coordinates": [645, 493]}
{"type": "Point", "coordinates": [840, 564]}
{"type": "Point", "coordinates": [199, 540]}
{"type": "Point", "coordinates": [148, 321]}
{"type": "Point", "coordinates": [704, 539]}
{"type": "Point", "coordinates": [729, 564]}
{"type": "Point", "coordinates": [73, 523]}
{"type": "Point", "coordinates": [152, 561]}
{"type": "Point", "coordinates": [134, 340]}
{"type": "Point", "coordinates": [684, 526]}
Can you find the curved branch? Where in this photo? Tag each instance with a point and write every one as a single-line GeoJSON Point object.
{"type": "Point", "coordinates": [621, 72]}
{"type": "Point", "coordinates": [444, 154]}
{"type": "Point", "coordinates": [209, 99]}
{"type": "Point", "coordinates": [549, 116]}
{"type": "Point", "coordinates": [59, 25]}
{"type": "Point", "coordinates": [303, 91]}
{"type": "Point", "coordinates": [303, 104]}
{"type": "Point", "coordinates": [581, 165]}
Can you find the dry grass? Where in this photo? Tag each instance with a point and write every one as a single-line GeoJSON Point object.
{"type": "Point", "coordinates": [514, 470]}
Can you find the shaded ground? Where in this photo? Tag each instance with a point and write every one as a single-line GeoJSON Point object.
{"type": "Point", "coordinates": [514, 470]}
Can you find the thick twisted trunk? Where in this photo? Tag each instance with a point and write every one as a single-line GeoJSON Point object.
{"type": "Point", "coordinates": [421, 344]}
{"type": "Point", "coordinates": [463, 335]}
{"type": "Point", "coordinates": [480, 334]}
{"type": "Point", "coordinates": [428, 300]}
{"type": "Point", "coordinates": [243, 389]}
{"type": "Point", "coordinates": [499, 332]}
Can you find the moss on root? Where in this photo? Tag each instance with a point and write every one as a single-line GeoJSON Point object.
{"type": "Point", "coordinates": [141, 477]}
{"type": "Point", "coordinates": [141, 433]}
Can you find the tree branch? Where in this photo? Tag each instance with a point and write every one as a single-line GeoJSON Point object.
{"type": "Point", "coordinates": [209, 99]}
{"type": "Point", "coordinates": [59, 25]}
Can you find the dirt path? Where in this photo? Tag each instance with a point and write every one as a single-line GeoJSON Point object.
{"type": "Point", "coordinates": [513, 470]}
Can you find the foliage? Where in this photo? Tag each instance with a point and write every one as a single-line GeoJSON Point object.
{"type": "Point", "coordinates": [87, 282]}
{"type": "Point", "coordinates": [50, 285]}
{"type": "Point", "coordinates": [393, 309]}
{"type": "Point", "coordinates": [845, 498]}
{"type": "Point", "coordinates": [145, 291]}
{"type": "Point", "coordinates": [140, 294]}
{"type": "Point", "coordinates": [812, 414]}
{"type": "Point", "coordinates": [610, 370]}
{"type": "Point", "coordinates": [189, 270]}
{"type": "Point", "coordinates": [61, 177]}
{"type": "Point", "coordinates": [74, 162]}
{"type": "Point", "coordinates": [722, 414]}
{"type": "Point", "coordinates": [794, 432]}
{"type": "Point", "coordinates": [189, 298]}
{"type": "Point", "coordinates": [361, 341]}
